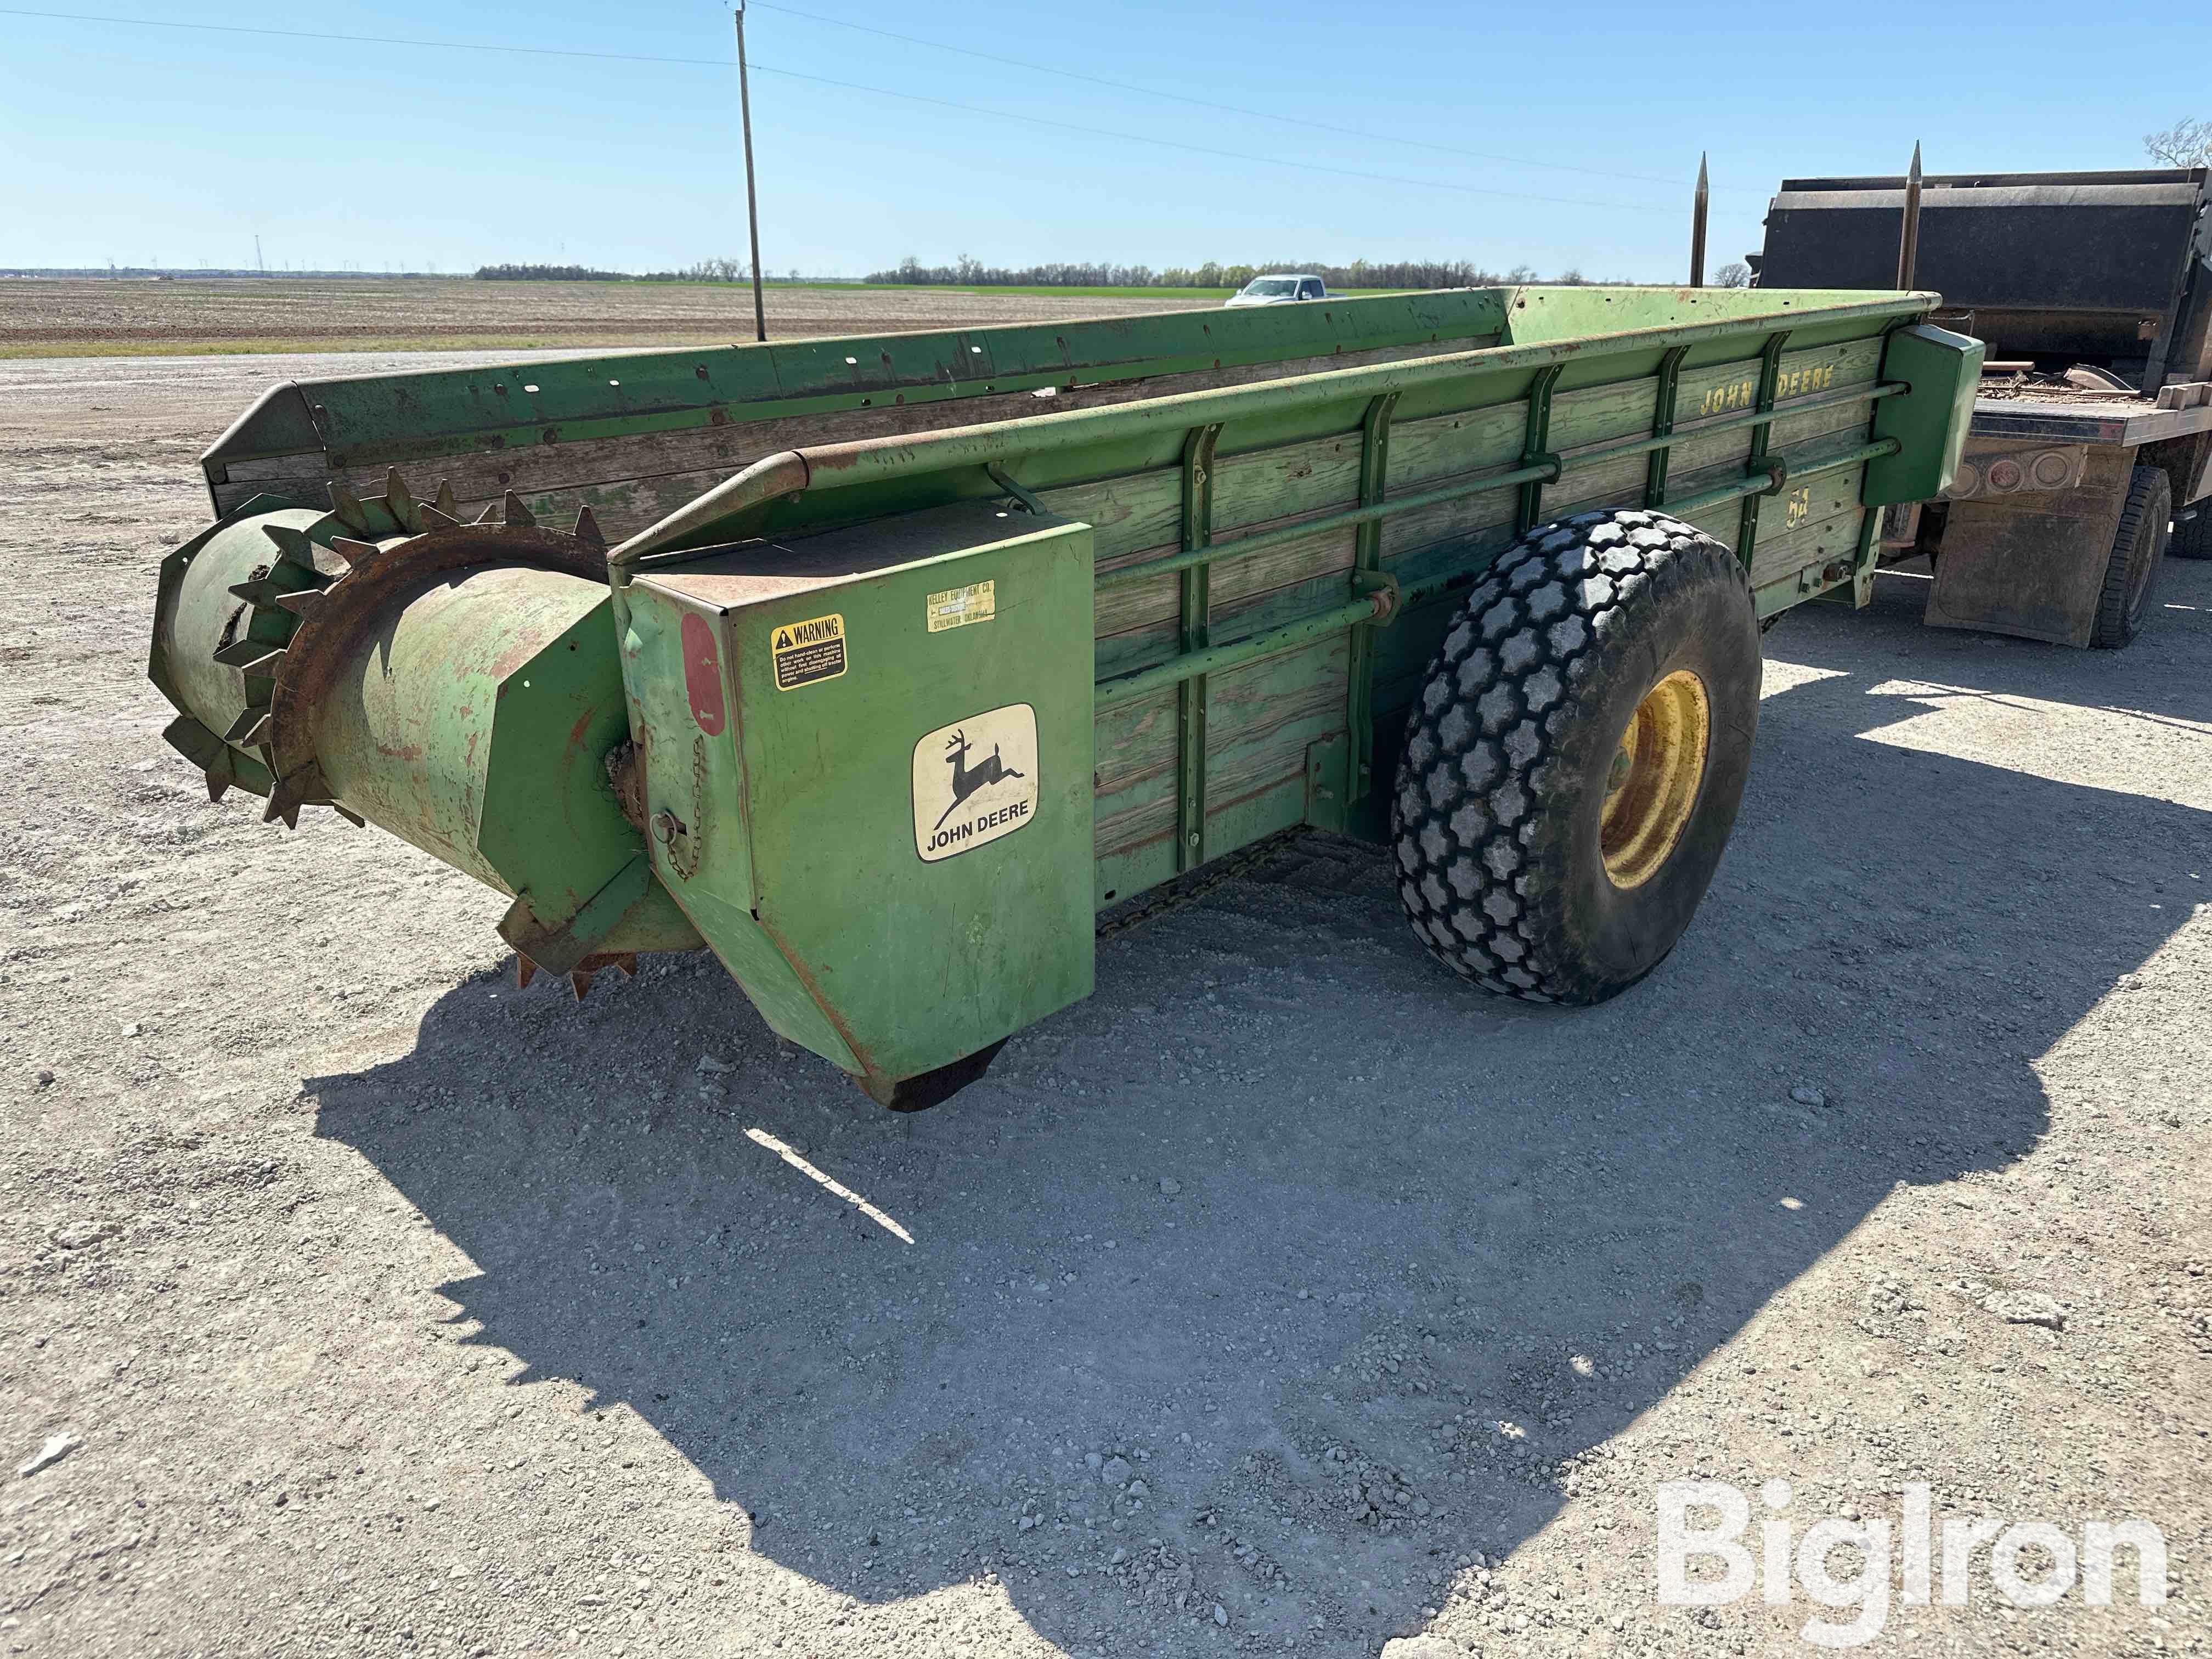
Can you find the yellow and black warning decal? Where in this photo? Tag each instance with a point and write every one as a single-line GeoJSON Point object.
{"type": "Point", "coordinates": [806, 651]}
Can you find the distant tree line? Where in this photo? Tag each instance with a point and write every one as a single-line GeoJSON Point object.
{"type": "Point", "coordinates": [547, 274]}
{"type": "Point", "coordinates": [969, 273]}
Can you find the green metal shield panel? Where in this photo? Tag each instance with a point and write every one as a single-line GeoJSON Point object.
{"type": "Point", "coordinates": [878, 744]}
{"type": "Point", "coordinates": [1929, 422]}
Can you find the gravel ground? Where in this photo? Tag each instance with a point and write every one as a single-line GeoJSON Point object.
{"type": "Point", "coordinates": [1286, 1296]}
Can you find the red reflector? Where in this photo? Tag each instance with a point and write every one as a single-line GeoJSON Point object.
{"type": "Point", "coordinates": [703, 674]}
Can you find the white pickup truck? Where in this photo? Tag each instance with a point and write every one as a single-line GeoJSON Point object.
{"type": "Point", "coordinates": [1284, 288]}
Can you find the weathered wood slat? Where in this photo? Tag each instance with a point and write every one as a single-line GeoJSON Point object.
{"type": "Point", "coordinates": [1262, 719]}
{"type": "Point", "coordinates": [607, 469]}
{"type": "Point", "coordinates": [1250, 704]}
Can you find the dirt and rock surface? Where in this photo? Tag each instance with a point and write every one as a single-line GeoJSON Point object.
{"type": "Point", "coordinates": [1286, 1296]}
{"type": "Point", "coordinates": [75, 316]}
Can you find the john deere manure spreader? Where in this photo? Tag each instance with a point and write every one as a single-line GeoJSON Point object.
{"type": "Point", "coordinates": [913, 654]}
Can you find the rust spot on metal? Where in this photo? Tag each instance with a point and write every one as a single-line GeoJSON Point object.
{"type": "Point", "coordinates": [625, 766]}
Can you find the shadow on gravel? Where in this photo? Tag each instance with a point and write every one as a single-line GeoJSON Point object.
{"type": "Point", "coordinates": [1321, 1244]}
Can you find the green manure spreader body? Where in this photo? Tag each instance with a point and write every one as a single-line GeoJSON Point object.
{"type": "Point", "coordinates": [881, 668]}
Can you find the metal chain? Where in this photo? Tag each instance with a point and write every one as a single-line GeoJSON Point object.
{"type": "Point", "coordinates": [686, 863]}
{"type": "Point", "coordinates": [1175, 894]}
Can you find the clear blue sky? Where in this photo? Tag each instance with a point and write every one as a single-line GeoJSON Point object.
{"type": "Point", "coordinates": [135, 144]}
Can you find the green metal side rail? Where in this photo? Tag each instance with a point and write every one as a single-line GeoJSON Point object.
{"type": "Point", "coordinates": [1546, 471]}
{"type": "Point", "coordinates": [788, 493]}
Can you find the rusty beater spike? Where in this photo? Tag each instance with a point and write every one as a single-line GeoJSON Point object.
{"type": "Point", "coordinates": [587, 528]}
{"type": "Point", "coordinates": [398, 500]}
{"type": "Point", "coordinates": [218, 785]}
{"type": "Point", "coordinates": [513, 512]}
{"type": "Point", "coordinates": [302, 603]}
{"type": "Point", "coordinates": [489, 515]}
{"type": "Point", "coordinates": [580, 980]}
{"type": "Point", "coordinates": [351, 551]}
{"type": "Point", "coordinates": [238, 652]}
{"type": "Point", "coordinates": [292, 546]}
{"type": "Point", "coordinates": [435, 518]}
{"type": "Point", "coordinates": [248, 729]}
{"type": "Point", "coordinates": [525, 972]}
{"type": "Point", "coordinates": [349, 816]}
{"type": "Point", "coordinates": [444, 501]}
{"type": "Point", "coordinates": [348, 506]}
{"type": "Point", "coordinates": [260, 591]}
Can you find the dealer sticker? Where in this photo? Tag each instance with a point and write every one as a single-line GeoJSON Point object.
{"type": "Point", "coordinates": [975, 782]}
{"type": "Point", "coordinates": [809, 651]}
{"type": "Point", "coordinates": [955, 607]}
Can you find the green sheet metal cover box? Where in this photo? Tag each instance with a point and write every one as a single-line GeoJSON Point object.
{"type": "Point", "coordinates": [879, 742]}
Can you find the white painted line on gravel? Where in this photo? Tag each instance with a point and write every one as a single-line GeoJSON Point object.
{"type": "Point", "coordinates": [815, 1175]}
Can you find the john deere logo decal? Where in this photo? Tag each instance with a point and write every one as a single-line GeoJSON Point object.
{"type": "Point", "coordinates": [975, 782]}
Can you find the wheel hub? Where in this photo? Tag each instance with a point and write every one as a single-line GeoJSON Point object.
{"type": "Point", "coordinates": [1652, 783]}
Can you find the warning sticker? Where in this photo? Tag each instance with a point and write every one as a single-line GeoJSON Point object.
{"type": "Point", "coordinates": [975, 782]}
{"type": "Point", "coordinates": [955, 607]}
{"type": "Point", "coordinates": [808, 651]}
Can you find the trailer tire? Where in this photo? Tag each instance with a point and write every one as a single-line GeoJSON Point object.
{"type": "Point", "coordinates": [1573, 765]}
{"type": "Point", "coordinates": [2131, 571]}
{"type": "Point", "coordinates": [2192, 538]}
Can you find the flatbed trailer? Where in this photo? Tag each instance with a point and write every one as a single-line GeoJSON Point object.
{"type": "Point", "coordinates": [2090, 454]}
{"type": "Point", "coordinates": [916, 653]}
{"type": "Point", "coordinates": [2054, 525]}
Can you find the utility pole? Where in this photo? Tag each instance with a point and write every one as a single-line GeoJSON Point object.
{"type": "Point", "coordinates": [752, 207]}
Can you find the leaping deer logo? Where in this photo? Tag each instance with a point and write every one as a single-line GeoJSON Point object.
{"type": "Point", "coordinates": [967, 780]}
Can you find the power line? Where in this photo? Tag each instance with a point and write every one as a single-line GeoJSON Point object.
{"type": "Point", "coordinates": [1208, 103]}
{"type": "Point", "coordinates": [359, 39]}
{"type": "Point", "coordinates": [1230, 154]}
{"type": "Point", "coordinates": [848, 86]}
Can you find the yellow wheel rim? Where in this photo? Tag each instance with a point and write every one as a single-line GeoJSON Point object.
{"type": "Point", "coordinates": [1654, 780]}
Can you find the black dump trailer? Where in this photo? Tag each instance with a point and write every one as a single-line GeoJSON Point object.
{"type": "Point", "coordinates": [2090, 456]}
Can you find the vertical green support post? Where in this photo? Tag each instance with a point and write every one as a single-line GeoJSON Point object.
{"type": "Point", "coordinates": [1669, 383]}
{"type": "Point", "coordinates": [1367, 556]}
{"type": "Point", "coordinates": [1859, 591]}
{"type": "Point", "coordinates": [1197, 635]}
{"type": "Point", "coordinates": [1535, 446]}
{"type": "Point", "coordinates": [1770, 380]}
